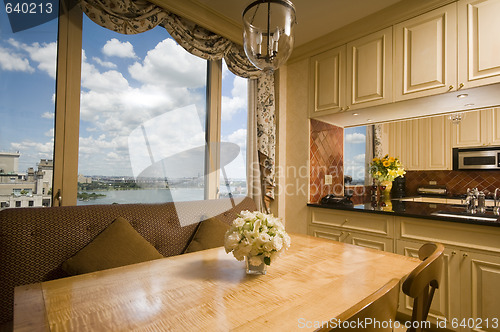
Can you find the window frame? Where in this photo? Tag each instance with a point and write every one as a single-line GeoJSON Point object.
{"type": "Point", "coordinates": [67, 112]}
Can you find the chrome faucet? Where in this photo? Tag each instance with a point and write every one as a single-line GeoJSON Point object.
{"type": "Point", "coordinates": [496, 209]}
{"type": "Point", "coordinates": [472, 195]}
{"type": "Point", "coordinates": [481, 202]}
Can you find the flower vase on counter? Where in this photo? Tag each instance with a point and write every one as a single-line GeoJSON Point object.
{"type": "Point", "coordinates": [385, 189]}
{"type": "Point", "coordinates": [384, 171]}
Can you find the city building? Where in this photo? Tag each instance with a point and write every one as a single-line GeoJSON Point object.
{"type": "Point", "coordinates": [29, 189]}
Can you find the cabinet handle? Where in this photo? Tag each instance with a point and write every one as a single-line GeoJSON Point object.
{"type": "Point", "coordinates": [341, 109]}
{"type": "Point", "coordinates": [461, 85]}
{"type": "Point", "coordinates": [453, 253]}
{"type": "Point", "coordinates": [465, 254]}
{"type": "Point", "coordinates": [450, 88]}
{"type": "Point", "coordinates": [347, 108]}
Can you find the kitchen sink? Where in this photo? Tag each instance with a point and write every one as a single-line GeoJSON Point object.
{"type": "Point", "coordinates": [463, 215]}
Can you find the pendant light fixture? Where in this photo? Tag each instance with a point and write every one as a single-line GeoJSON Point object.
{"type": "Point", "coordinates": [268, 32]}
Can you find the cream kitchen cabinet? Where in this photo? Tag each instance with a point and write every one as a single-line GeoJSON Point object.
{"type": "Point", "coordinates": [480, 297]}
{"type": "Point", "coordinates": [362, 70]}
{"type": "Point", "coordinates": [478, 128]}
{"type": "Point", "coordinates": [362, 229]}
{"type": "Point", "coordinates": [426, 54]}
{"type": "Point", "coordinates": [369, 70]}
{"type": "Point", "coordinates": [478, 42]}
{"type": "Point", "coordinates": [421, 144]}
{"type": "Point", "coordinates": [469, 292]}
{"type": "Point", "coordinates": [327, 81]}
{"type": "Point", "coordinates": [446, 301]}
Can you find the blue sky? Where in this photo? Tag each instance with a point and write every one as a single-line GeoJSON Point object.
{"type": "Point", "coordinates": [354, 152]}
{"type": "Point", "coordinates": [27, 85]}
{"type": "Point", "coordinates": [127, 80]}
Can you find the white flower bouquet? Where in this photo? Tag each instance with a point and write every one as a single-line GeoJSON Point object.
{"type": "Point", "coordinates": [258, 236]}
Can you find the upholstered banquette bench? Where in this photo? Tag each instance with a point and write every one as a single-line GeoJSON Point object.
{"type": "Point", "coordinates": [35, 242]}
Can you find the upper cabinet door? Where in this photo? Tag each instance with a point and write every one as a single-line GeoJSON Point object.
{"type": "Point", "coordinates": [369, 66]}
{"type": "Point", "coordinates": [479, 42]}
{"type": "Point", "coordinates": [328, 82]}
{"type": "Point", "coordinates": [426, 54]}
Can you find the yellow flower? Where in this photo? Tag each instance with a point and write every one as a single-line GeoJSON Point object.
{"type": "Point", "coordinates": [401, 172]}
{"type": "Point", "coordinates": [375, 160]}
{"type": "Point", "coordinates": [392, 172]}
{"type": "Point", "coordinates": [378, 174]}
{"type": "Point", "coordinates": [386, 163]}
{"type": "Point", "coordinates": [391, 159]}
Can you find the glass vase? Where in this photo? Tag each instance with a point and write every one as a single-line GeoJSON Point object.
{"type": "Point", "coordinates": [255, 270]}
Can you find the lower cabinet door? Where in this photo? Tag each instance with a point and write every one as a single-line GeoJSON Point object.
{"type": "Point", "coordinates": [446, 301]}
{"type": "Point", "coordinates": [480, 292]}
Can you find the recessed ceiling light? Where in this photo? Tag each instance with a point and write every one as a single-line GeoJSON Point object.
{"type": "Point", "coordinates": [369, 120]}
{"type": "Point", "coordinates": [462, 95]}
{"type": "Point", "coordinates": [355, 114]}
{"type": "Point", "coordinates": [468, 105]}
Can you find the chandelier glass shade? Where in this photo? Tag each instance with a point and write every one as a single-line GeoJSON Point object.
{"type": "Point", "coordinates": [268, 32]}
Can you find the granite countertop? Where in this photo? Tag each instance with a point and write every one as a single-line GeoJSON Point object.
{"type": "Point", "coordinates": [426, 210]}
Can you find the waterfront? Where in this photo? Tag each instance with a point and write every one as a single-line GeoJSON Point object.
{"type": "Point", "coordinates": [145, 196]}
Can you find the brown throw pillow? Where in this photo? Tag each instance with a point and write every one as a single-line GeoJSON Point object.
{"type": "Point", "coordinates": [209, 234]}
{"type": "Point", "coordinates": [118, 245]}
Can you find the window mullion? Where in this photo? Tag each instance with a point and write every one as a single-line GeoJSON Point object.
{"type": "Point", "coordinates": [213, 128]}
{"type": "Point", "coordinates": [67, 115]}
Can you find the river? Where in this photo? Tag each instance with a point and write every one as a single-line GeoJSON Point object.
{"type": "Point", "coordinates": [145, 196]}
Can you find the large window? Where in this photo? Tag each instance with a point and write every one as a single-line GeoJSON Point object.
{"type": "Point", "coordinates": [143, 112]}
{"type": "Point", "coordinates": [27, 96]}
{"type": "Point", "coordinates": [142, 123]}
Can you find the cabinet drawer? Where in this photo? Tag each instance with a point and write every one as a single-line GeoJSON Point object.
{"type": "Point", "coordinates": [329, 233]}
{"type": "Point", "coordinates": [454, 233]}
{"type": "Point", "coordinates": [368, 222]}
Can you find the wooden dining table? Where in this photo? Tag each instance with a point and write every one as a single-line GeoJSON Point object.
{"type": "Point", "coordinates": [314, 281]}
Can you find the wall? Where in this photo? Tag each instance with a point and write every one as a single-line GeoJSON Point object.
{"type": "Point", "coordinates": [326, 157]}
{"type": "Point", "coordinates": [296, 171]}
{"type": "Point", "coordinates": [456, 182]}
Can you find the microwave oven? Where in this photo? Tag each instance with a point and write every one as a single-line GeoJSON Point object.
{"type": "Point", "coordinates": [484, 158]}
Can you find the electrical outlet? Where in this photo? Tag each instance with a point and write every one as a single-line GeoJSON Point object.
{"type": "Point", "coordinates": [433, 183]}
{"type": "Point", "coordinates": [328, 179]}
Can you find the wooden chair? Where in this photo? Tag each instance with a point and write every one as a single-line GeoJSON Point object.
{"type": "Point", "coordinates": [422, 282]}
{"type": "Point", "coordinates": [380, 306]}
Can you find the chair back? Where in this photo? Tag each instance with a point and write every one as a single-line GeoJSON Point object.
{"type": "Point", "coordinates": [422, 282]}
{"type": "Point", "coordinates": [380, 307]}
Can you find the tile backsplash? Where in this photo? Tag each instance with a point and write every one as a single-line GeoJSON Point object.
{"type": "Point", "coordinates": [456, 182]}
{"type": "Point", "coordinates": [326, 157]}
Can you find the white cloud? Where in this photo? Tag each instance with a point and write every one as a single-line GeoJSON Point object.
{"type": "Point", "coordinates": [238, 137]}
{"type": "Point", "coordinates": [45, 54]}
{"type": "Point", "coordinates": [238, 100]}
{"type": "Point", "coordinates": [50, 132]}
{"type": "Point", "coordinates": [48, 115]}
{"type": "Point", "coordinates": [360, 158]}
{"type": "Point", "coordinates": [116, 48]}
{"type": "Point", "coordinates": [43, 150]}
{"type": "Point", "coordinates": [106, 64]}
{"type": "Point", "coordinates": [169, 65]}
{"type": "Point", "coordinates": [11, 61]}
{"type": "Point", "coordinates": [355, 138]}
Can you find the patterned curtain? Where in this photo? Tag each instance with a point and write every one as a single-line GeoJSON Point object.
{"type": "Point", "coordinates": [136, 16]}
{"type": "Point", "coordinates": [124, 16]}
{"type": "Point", "coordinates": [266, 134]}
{"type": "Point", "coordinates": [377, 141]}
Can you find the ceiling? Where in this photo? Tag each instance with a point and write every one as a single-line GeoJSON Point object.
{"type": "Point", "coordinates": [315, 18]}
